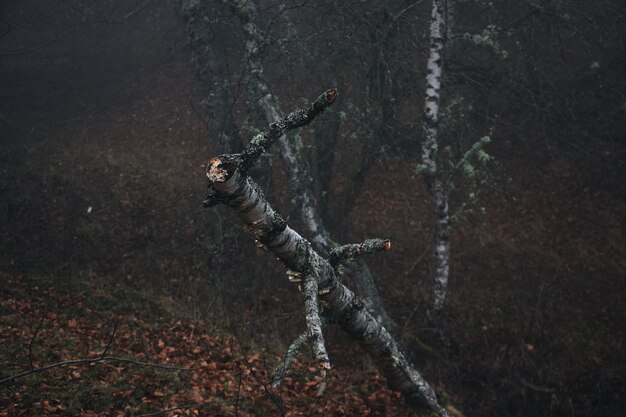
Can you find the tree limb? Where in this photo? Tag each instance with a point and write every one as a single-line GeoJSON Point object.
{"type": "Point", "coordinates": [32, 340]}
{"type": "Point", "coordinates": [314, 323]}
{"type": "Point", "coordinates": [353, 250]}
{"type": "Point", "coordinates": [295, 119]}
{"type": "Point", "coordinates": [90, 361]}
{"type": "Point", "coordinates": [290, 356]}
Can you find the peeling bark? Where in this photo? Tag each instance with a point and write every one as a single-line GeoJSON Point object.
{"type": "Point", "coordinates": [233, 187]}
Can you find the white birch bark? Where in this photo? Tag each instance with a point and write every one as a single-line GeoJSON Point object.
{"type": "Point", "coordinates": [430, 169]}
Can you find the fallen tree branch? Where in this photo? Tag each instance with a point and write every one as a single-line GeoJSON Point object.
{"type": "Point", "coordinates": [537, 388]}
{"type": "Point", "coordinates": [263, 140]}
{"type": "Point", "coordinates": [241, 193]}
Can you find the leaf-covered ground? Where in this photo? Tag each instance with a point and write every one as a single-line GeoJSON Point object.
{"type": "Point", "coordinates": [223, 379]}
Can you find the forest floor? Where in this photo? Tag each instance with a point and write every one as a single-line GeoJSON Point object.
{"type": "Point", "coordinates": [215, 373]}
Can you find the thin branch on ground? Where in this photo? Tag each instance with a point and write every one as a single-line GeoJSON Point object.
{"type": "Point", "coordinates": [32, 340]}
{"type": "Point", "coordinates": [177, 408]}
{"type": "Point", "coordinates": [110, 342]}
{"type": "Point", "coordinates": [90, 361]}
{"type": "Point", "coordinates": [100, 358]}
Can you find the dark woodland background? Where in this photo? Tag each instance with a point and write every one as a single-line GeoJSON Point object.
{"type": "Point", "coordinates": [107, 119]}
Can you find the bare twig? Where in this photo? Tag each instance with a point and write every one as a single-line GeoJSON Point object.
{"type": "Point", "coordinates": [290, 355]}
{"type": "Point", "coordinates": [8, 365]}
{"type": "Point", "coordinates": [108, 346]}
{"type": "Point", "coordinates": [136, 10]}
{"type": "Point", "coordinates": [537, 388]}
{"type": "Point", "coordinates": [90, 361]}
{"type": "Point", "coordinates": [238, 391]}
{"type": "Point", "coordinates": [276, 400]}
{"type": "Point", "coordinates": [32, 340]}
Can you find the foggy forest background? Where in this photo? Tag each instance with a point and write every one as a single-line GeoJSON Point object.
{"type": "Point", "coordinates": [110, 110]}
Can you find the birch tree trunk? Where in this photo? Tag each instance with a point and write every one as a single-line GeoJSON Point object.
{"type": "Point", "coordinates": [306, 205]}
{"type": "Point", "coordinates": [229, 184]}
{"type": "Point", "coordinates": [429, 167]}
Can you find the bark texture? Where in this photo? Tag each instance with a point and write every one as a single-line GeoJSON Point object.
{"type": "Point", "coordinates": [353, 250]}
{"type": "Point", "coordinates": [429, 168]}
{"type": "Point", "coordinates": [233, 187]}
